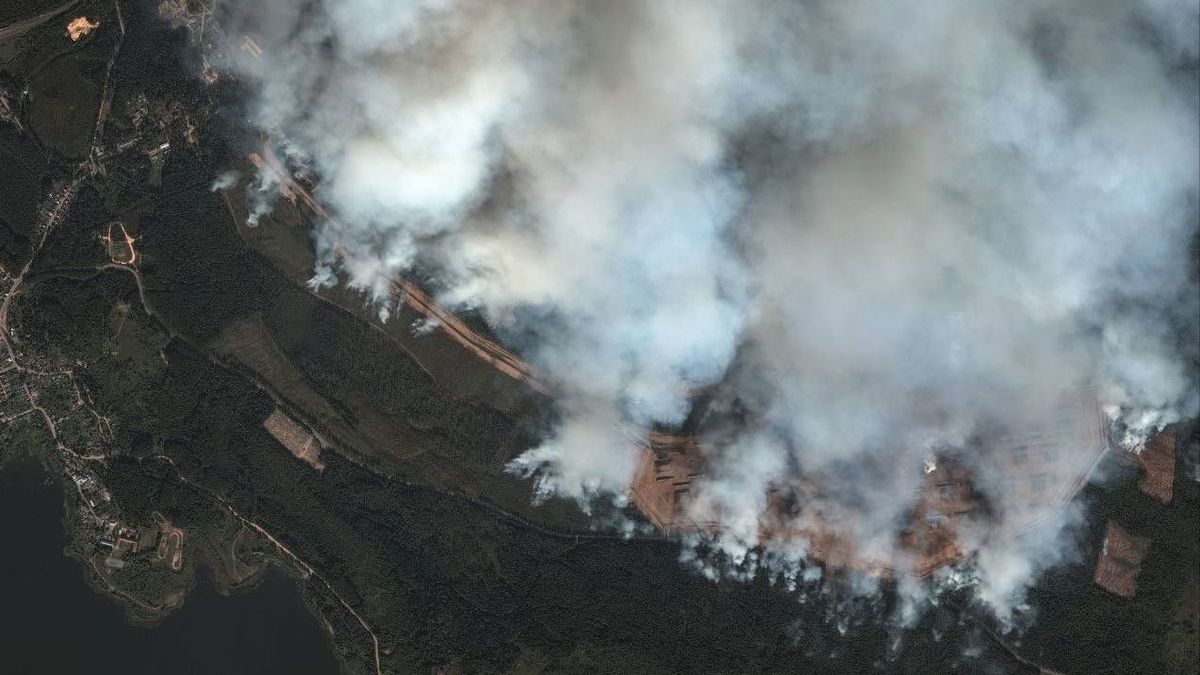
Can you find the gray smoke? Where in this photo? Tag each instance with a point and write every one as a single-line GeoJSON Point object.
{"type": "Point", "coordinates": [881, 226]}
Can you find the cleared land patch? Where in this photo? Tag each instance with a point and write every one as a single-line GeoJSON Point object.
{"type": "Point", "coordinates": [295, 438]}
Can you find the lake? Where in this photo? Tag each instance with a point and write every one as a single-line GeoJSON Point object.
{"type": "Point", "coordinates": [54, 623]}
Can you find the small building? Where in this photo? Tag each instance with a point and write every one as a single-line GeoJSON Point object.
{"type": "Point", "coordinates": [662, 485]}
{"type": "Point", "coordinates": [1044, 466]}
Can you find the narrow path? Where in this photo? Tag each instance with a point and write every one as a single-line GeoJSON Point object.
{"type": "Point", "coordinates": [107, 91]}
{"type": "Point", "coordinates": [500, 358]}
{"type": "Point", "coordinates": [307, 569]}
{"type": "Point", "coordinates": [484, 505]}
{"type": "Point", "coordinates": [1000, 641]}
{"type": "Point", "coordinates": [124, 594]}
{"type": "Point", "coordinates": [21, 27]}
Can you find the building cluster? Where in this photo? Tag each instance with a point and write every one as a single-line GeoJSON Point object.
{"type": "Point", "coordinates": [1121, 554]}
{"type": "Point", "coordinates": [100, 520]}
{"type": "Point", "coordinates": [1038, 471]}
{"type": "Point", "coordinates": [147, 127]}
{"type": "Point", "coordinates": [196, 16]}
{"type": "Point", "coordinates": [662, 486]}
{"type": "Point", "coordinates": [1033, 473]}
{"type": "Point", "coordinates": [124, 542]}
{"type": "Point", "coordinates": [98, 516]}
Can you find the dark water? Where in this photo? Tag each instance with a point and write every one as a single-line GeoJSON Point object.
{"type": "Point", "coordinates": [52, 623]}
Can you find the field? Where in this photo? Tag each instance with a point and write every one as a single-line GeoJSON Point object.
{"type": "Point", "coordinates": [411, 532]}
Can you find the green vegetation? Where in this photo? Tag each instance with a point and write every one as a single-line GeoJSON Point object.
{"type": "Point", "coordinates": [1082, 628]}
{"type": "Point", "coordinates": [24, 169]}
{"type": "Point", "coordinates": [25, 436]}
{"type": "Point", "coordinates": [402, 524]}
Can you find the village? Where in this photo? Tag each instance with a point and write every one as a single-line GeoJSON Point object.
{"type": "Point", "coordinates": [37, 393]}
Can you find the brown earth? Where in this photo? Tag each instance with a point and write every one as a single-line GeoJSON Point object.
{"type": "Point", "coordinates": [295, 438]}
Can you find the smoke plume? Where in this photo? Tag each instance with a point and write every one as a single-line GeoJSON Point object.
{"type": "Point", "coordinates": [880, 229]}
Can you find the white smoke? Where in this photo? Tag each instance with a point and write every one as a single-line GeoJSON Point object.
{"type": "Point", "coordinates": [224, 181]}
{"type": "Point", "coordinates": [881, 226]}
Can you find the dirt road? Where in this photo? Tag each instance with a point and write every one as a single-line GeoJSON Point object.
{"type": "Point", "coordinates": [21, 27]}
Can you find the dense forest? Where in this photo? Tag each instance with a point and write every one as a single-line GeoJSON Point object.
{"type": "Point", "coordinates": [442, 552]}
